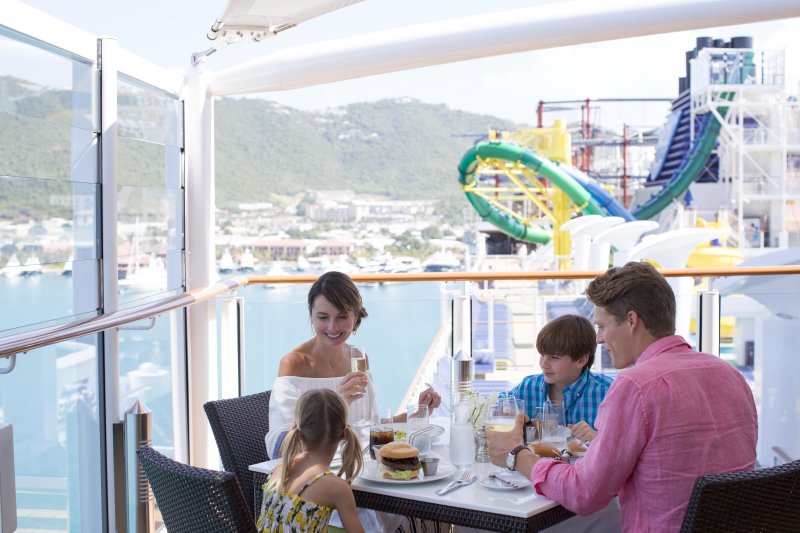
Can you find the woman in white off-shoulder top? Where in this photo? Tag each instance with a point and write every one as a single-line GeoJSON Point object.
{"type": "Point", "coordinates": [336, 311]}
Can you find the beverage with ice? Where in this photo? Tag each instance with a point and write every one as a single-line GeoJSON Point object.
{"type": "Point", "coordinates": [500, 424]}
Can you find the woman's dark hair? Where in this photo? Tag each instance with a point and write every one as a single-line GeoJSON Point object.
{"type": "Point", "coordinates": [339, 290]}
{"type": "Point", "coordinates": [570, 335]}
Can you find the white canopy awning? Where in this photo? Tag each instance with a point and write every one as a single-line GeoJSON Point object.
{"type": "Point", "coordinates": [259, 19]}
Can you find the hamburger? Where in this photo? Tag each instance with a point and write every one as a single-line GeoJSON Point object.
{"type": "Point", "coordinates": [399, 460]}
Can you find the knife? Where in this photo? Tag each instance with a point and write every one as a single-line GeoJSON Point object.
{"type": "Point", "coordinates": [503, 481]}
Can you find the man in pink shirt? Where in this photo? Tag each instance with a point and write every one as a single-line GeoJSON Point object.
{"type": "Point", "coordinates": [676, 414]}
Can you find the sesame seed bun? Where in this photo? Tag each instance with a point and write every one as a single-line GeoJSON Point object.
{"type": "Point", "coordinates": [398, 450]}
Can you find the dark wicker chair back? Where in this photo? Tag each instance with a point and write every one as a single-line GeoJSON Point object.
{"type": "Point", "coordinates": [195, 499]}
{"type": "Point", "coordinates": [239, 426]}
{"type": "Point", "coordinates": [764, 500]}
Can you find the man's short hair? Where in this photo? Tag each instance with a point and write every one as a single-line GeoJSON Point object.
{"type": "Point", "coordinates": [637, 287]}
{"type": "Point", "coordinates": [570, 335]}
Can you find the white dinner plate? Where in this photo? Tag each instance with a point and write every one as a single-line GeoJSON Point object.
{"type": "Point", "coordinates": [370, 473]}
{"type": "Point", "coordinates": [401, 431]}
{"type": "Point", "coordinates": [513, 477]}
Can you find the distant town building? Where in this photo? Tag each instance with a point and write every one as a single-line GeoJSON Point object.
{"type": "Point", "coordinates": [282, 248]}
{"type": "Point", "coordinates": [331, 211]}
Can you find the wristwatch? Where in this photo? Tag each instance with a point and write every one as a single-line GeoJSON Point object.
{"type": "Point", "coordinates": [511, 459]}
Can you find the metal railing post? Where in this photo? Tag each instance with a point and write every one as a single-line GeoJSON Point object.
{"type": "Point", "coordinates": [463, 366]}
{"type": "Point", "coordinates": [139, 497]}
{"type": "Point", "coordinates": [8, 489]}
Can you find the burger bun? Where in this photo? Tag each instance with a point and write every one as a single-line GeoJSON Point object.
{"type": "Point", "coordinates": [399, 460]}
{"type": "Point", "coordinates": [542, 449]}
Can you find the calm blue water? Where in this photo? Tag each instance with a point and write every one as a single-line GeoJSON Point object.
{"type": "Point", "coordinates": [402, 322]}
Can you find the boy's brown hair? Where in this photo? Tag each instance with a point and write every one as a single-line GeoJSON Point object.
{"type": "Point", "coordinates": [570, 335]}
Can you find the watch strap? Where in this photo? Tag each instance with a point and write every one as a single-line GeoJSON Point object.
{"type": "Point", "coordinates": [514, 453]}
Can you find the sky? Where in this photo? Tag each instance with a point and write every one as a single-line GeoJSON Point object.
{"type": "Point", "coordinates": [510, 86]}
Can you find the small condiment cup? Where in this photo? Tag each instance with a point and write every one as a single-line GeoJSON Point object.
{"type": "Point", "coordinates": [430, 465]}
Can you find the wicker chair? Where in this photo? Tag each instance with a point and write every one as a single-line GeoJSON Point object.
{"type": "Point", "coordinates": [195, 499]}
{"type": "Point", "coordinates": [239, 426]}
{"type": "Point", "coordinates": [766, 500]}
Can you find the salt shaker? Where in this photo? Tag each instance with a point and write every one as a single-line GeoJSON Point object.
{"type": "Point", "coordinates": [482, 446]}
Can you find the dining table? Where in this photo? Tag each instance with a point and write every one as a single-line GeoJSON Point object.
{"type": "Point", "coordinates": [484, 504]}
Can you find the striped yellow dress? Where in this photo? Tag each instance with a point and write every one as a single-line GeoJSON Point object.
{"type": "Point", "coordinates": [285, 513]}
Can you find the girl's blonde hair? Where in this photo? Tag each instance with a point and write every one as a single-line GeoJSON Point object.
{"type": "Point", "coordinates": [320, 421]}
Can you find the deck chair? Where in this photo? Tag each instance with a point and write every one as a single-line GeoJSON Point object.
{"type": "Point", "coordinates": [765, 500]}
{"type": "Point", "coordinates": [194, 499]}
{"type": "Point", "coordinates": [239, 426]}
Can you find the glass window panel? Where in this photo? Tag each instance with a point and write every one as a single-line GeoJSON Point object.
{"type": "Point", "coordinates": [146, 164]}
{"type": "Point", "coordinates": [35, 82]}
{"type": "Point", "coordinates": [51, 398]}
{"type": "Point", "coordinates": [149, 243]}
{"type": "Point", "coordinates": [47, 149]}
{"type": "Point", "coordinates": [47, 222]}
{"type": "Point", "coordinates": [149, 114]}
{"type": "Point", "coordinates": [758, 335]}
{"type": "Point", "coordinates": [149, 363]}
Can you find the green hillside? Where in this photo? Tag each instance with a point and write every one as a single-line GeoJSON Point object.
{"type": "Point", "coordinates": [402, 148]}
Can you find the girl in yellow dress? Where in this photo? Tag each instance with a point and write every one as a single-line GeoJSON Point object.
{"type": "Point", "coordinates": [302, 492]}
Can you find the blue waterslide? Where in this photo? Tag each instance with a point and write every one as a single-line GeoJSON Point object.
{"type": "Point", "coordinates": [607, 202]}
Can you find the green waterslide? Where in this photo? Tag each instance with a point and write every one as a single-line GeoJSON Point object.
{"type": "Point", "coordinates": [691, 167]}
{"type": "Point", "coordinates": [541, 165]}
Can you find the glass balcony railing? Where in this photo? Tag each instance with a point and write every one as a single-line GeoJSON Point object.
{"type": "Point", "coordinates": [414, 323]}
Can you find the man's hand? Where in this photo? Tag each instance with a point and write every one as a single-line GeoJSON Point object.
{"type": "Point", "coordinates": [502, 442]}
{"type": "Point", "coordinates": [583, 431]}
{"type": "Point", "coordinates": [430, 398]}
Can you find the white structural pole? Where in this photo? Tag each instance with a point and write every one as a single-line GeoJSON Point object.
{"type": "Point", "coordinates": [200, 263]}
{"type": "Point", "coordinates": [109, 144]}
{"type": "Point", "coordinates": [546, 26]}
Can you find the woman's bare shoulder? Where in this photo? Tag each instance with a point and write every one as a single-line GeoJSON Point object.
{"type": "Point", "coordinates": [295, 363]}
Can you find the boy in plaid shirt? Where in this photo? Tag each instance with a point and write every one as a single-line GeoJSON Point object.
{"type": "Point", "coordinates": [566, 346]}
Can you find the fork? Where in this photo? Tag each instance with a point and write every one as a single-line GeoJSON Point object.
{"type": "Point", "coordinates": [466, 479]}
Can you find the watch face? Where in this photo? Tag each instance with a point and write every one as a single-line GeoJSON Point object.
{"type": "Point", "coordinates": [511, 460]}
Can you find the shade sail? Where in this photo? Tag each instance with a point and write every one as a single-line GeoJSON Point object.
{"type": "Point", "coordinates": [262, 18]}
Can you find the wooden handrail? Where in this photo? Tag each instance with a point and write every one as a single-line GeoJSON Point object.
{"type": "Point", "coordinates": [781, 454]}
{"type": "Point", "coordinates": [24, 342]}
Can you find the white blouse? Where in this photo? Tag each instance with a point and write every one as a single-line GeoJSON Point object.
{"type": "Point", "coordinates": [286, 390]}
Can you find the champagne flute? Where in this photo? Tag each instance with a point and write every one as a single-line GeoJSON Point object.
{"type": "Point", "coordinates": [359, 363]}
{"type": "Point", "coordinates": [358, 359]}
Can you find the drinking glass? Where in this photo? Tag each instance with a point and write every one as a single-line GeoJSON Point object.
{"type": "Point", "coordinates": [359, 363]}
{"type": "Point", "coordinates": [554, 426]}
{"type": "Point", "coordinates": [417, 419]}
{"type": "Point", "coordinates": [417, 416]}
{"type": "Point", "coordinates": [462, 436]}
{"type": "Point", "coordinates": [503, 414]}
{"type": "Point", "coordinates": [381, 430]}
